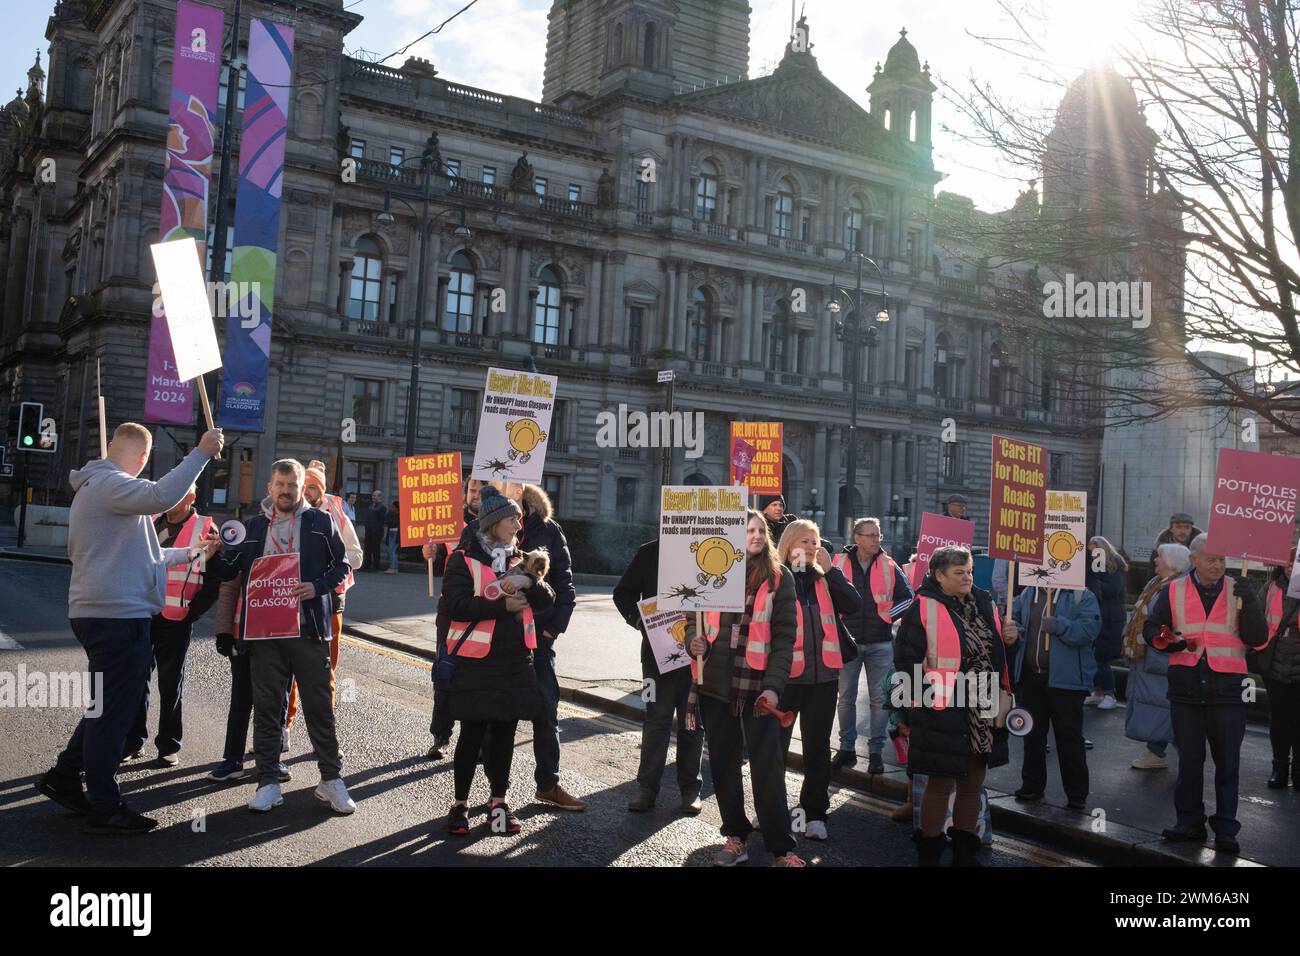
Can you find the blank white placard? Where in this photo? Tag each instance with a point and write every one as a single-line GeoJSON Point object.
{"type": "Point", "coordinates": [187, 307]}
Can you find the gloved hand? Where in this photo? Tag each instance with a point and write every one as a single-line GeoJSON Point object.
{"type": "Point", "coordinates": [226, 645]}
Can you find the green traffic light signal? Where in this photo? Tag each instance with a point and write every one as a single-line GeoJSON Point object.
{"type": "Point", "coordinates": [27, 439]}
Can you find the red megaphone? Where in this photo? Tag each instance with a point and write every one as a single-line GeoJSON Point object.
{"type": "Point", "coordinates": [784, 716]}
{"type": "Point", "coordinates": [1166, 637]}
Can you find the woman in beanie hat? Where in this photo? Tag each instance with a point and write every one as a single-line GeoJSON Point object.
{"type": "Point", "coordinates": [490, 636]}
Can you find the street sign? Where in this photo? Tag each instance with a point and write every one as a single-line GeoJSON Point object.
{"type": "Point", "coordinates": [665, 376]}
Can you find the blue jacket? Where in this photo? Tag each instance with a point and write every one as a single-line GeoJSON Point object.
{"type": "Point", "coordinates": [1071, 663]}
{"type": "Point", "coordinates": [323, 563]}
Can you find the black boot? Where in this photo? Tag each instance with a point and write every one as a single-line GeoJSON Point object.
{"type": "Point", "coordinates": [1277, 779]}
{"type": "Point", "coordinates": [965, 847]}
{"type": "Point", "coordinates": [929, 850]}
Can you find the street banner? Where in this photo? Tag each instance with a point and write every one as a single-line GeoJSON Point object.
{"type": "Point", "coordinates": [257, 226]}
{"type": "Point", "coordinates": [429, 498]}
{"type": "Point", "coordinates": [764, 476]}
{"type": "Point", "coordinates": [187, 179]}
{"type": "Point", "coordinates": [188, 309]}
{"type": "Point", "coordinates": [940, 531]}
{"type": "Point", "coordinates": [1065, 547]}
{"type": "Point", "coordinates": [666, 631]}
{"type": "Point", "coordinates": [742, 460]}
{"type": "Point", "coordinates": [1252, 512]}
{"type": "Point", "coordinates": [1017, 500]}
{"type": "Point", "coordinates": [513, 426]}
{"type": "Point", "coordinates": [702, 548]}
{"type": "Point", "coordinates": [270, 608]}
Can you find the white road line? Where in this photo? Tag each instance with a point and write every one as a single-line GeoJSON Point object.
{"type": "Point", "coordinates": [7, 643]}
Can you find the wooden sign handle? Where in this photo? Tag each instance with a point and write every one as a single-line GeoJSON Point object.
{"type": "Point", "coordinates": [699, 632]}
{"type": "Point", "coordinates": [1047, 638]}
{"type": "Point", "coordinates": [1011, 584]}
{"type": "Point", "coordinates": [430, 563]}
{"type": "Point", "coordinates": [203, 397]}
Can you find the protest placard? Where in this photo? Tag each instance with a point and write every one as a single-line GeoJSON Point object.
{"type": "Point", "coordinates": [513, 426]}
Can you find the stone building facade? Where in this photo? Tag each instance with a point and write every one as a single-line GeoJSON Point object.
{"type": "Point", "coordinates": [637, 219]}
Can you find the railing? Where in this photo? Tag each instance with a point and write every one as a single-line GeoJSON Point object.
{"type": "Point", "coordinates": [380, 171]}
{"type": "Point", "coordinates": [475, 95]}
{"type": "Point", "coordinates": [559, 447]}
{"type": "Point", "coordinates": [629, 454]}
{"type": "Point", "coordinates": [371, 431]}
{"type": "Point", "coordinates": [377, 73]}
{"type": "Point", "coordinates": [967, 287]}
{"type": "Point", "coordinates": [461, 440]}
{"type": "Point", "coordinates": [715, 370]}
{"type": "Point", "coordinates": [468, 340]}
{"type": "Point", "coordinates": [791, 378]}
{"type": "Point", "coordinates": [473, 189]}
{"type": "Point", "coordinates": [568, 207]}
{"type": "Point", "coordinates": [645, 219]}
{"type": "Point", "coordinates": [636, 361]}
{"type": "Point", "coordinates": [372, 329]}
{"type": "Point", "coordinates": [563, 117]}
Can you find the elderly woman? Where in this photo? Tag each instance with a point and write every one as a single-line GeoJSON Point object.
{"type": "Point", "coordinates": [1147, 717]}
{"type": "Point", "coordinates": [490, 641]}
{"type": "Point", "coordinates": [747, 657]}
{"type": "Point", "coordinates": [952, 632]}
{"type": "Point", "coordinates": [822, 645]}
{"type": "Point", "coordinates": [1108, 587]}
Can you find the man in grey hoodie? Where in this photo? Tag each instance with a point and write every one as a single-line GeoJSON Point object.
{"type": "Point", "coordinates": [119, 580]}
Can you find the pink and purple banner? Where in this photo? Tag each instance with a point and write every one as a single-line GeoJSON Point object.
{"type": "Point", "coordinates": [187, 181]}
{"type": "Point", "coordinates": [257, 227]}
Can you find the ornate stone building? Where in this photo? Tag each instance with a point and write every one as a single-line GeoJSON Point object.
{"type": "Point", "coordinates": [655, 211]}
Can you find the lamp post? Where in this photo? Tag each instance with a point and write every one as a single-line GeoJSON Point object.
{"type": "Point", "coordinates": [427, 162]}
{"type": "Point", "coordinates": [851, 333]}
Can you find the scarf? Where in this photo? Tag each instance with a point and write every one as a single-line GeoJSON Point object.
{"type": "Point", "coordinates": [500, 553]}
{"type": "Point", "coordinates": [744, 679]}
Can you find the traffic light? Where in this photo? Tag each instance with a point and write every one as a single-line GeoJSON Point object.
{"type": "Point", "coordinates": [28, 437]}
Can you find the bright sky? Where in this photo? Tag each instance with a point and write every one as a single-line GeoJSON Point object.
{"type": "Point", "coordinates": [500, 45]}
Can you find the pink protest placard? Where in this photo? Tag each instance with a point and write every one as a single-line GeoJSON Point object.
{"type": "Point", "coordinates": [941, 531]}
{"type": "Point", "coordinates": [1252, 513]}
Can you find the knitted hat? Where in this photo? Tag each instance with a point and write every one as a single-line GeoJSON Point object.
{"type": "Point", "coordinates": [765, 500]}
{"type": "Point", "coordinates": [315, 474]}
{"type": "Point", "coordinates": [494, 507]}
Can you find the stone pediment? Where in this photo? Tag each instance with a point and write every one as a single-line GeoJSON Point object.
{"type": "Point", "coordinates": [798, 99]}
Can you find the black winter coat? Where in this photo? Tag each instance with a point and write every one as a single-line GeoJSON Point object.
{"type": "Point", "coordinates": [865, 624]}
{"type": "Point", "coordinates": [1280, 661]}
{"type": "Point", "coordinates": [640, 581]}
{"type": "Point", "coordinates": [502, 685]}
{"type": "Point", "coordinates": [940, 741]}
{"type": "Point", "coordinates": [1109, 589]}
{"type": "Point", "coordinates": [846, 600]}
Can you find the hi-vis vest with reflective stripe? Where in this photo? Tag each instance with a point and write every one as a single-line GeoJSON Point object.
{"type": "Point", "coordinates": [830, 631]}
{"type": "Point", "coordinates": [335, 504]}
{"type": "Point", "coordinates": [913, 572]}
{"type": "Point", "coordinates": [1217, 633]}
{"type": "Point", "coordinates": [943, 650]}
{"type": "Point", "coordinates": [759, 642]}
{"type": "Point", "coordinates": [185, 580]}
{"type": "Point", "coordinates": [882, 580]}
{"type": "Point", "coordinates": [479, 641]}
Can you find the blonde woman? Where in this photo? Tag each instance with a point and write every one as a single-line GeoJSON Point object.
{"type": "Point", "coordinates": [822, 644]}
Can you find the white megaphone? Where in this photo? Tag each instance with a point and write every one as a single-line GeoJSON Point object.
{"type": "Point", "coordinates": [1019, 722]}
{"type": "Point", "coordinates": [233, 532]}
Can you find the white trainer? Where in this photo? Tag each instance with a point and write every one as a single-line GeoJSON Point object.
{"type": "Point", "coordinates": [1093, 699]}
{"type": "Point", "coordinates": [1107, 703]}
{"type": "Point", "coordinates": [265, 798]}
{"type": "Point", "coordinates": [1149, 761]}
{"type": "Point", "coordinates": [335, 794]}
{"type": "Point", "coordinates": [816, 830]}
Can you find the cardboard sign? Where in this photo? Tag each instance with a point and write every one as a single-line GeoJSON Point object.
{"type": "Point", "coordinates": [1252, 513]}
{"type": "Point", "coordinates": [270, 608]}
{"type": "Point", "coordinates": [764, 475]}
{"type": "Point", "coordinates": [702, 548]}
{"type": "Point", "coordinates": [666, 631]}
{"type": "Point", "coordinates": [1017, 500]}
{"type": "Point", "coordinates": [1065, 544]}
{"type": "Point", "coordinates": [940, 531]}
{"type": "Point", "coordinates": [742, 460]}
{"type": "Point", "coordinates": [513, 426]}
{"type": "Point", "coordinates": [187, 309]}
{"type": "Point", "coordinates": [429, 499]}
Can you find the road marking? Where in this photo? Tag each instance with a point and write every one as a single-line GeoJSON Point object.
{"type": "Point", "coordinates": [7, 643]}
{"type": "Point", "coordinates": [388, 652]}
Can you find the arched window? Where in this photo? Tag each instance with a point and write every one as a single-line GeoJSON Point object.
{"type": "Point", "coordinates": [941, 347]}
{"type": "Point", "coordinates": [911, 126]}
{"type": "Point", "coordinates": [706, 192]}
{"type": "Point", "coordinates": [699, 319]}
{"type": "Point", "coordinates": [648, 53]}
{"type": "Point", "coordinates": [778, 340]}
{"type": "Point", "coordinates": [853, 220]}
{"type": "Point", "coordinates": [458, 316]}
{"type": "Point", "coordinates": [889, 118]}
{"type": "Point", "coordinates": [546, 311]}
{"type": "Point", "coordinates": [996, 381]}
{"type": "Point", "coordinates": [697, 478]}
{"type": "Point", "coordinates": [783, 210]}
{"type": "Point", "coordinates": [367, 281]}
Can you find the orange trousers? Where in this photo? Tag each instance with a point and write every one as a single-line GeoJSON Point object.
{"type": "Point", "coordinates": [336, 626]}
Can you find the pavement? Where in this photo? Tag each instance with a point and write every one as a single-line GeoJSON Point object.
{"type": "Point", "coordinates": [402, 798]}
{"type": "Point", "coordinates": [599, 668]}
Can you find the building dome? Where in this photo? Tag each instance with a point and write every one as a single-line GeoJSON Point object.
{"type": "Point", "coordinates": [902, 56]}
{"type": "Point", "coordinates": [1097, 90]}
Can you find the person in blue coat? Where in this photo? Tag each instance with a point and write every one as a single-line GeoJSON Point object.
{"type": "Point", "coordinates": [1147, 716]}
{"type": "Point", "coordinates": [1053, 668]}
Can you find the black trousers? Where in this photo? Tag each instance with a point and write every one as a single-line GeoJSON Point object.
{"type": "Point", "coordinates": [271, 665]}
{"type": "Point", "coordinates": [171, 643]}
{"type": "Point", "coordinates": [500, 753]}
{"type": "Point", "coordinates": [1283, 719]}
{"type": "Point", "coordinates": [671, 691]}
{"type": "Point", "coordinates": [728, 737]}
{"type": "Point", "coordinates": [815, 706]}
{"type": "Point", "coordinates": [1061, 710]}
{"type": "Point", "coordinates": [1223, 727]}
{"type": "Point", "coordinates": [370, 550]}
